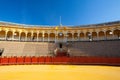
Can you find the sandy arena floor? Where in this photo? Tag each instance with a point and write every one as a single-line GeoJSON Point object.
{"type": "Point", "coordinates": [59, 72]}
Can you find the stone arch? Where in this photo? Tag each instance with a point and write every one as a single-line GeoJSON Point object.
{"type": "Point", "coordinates": [23, 36]}
{"type": "Point", "coordinates": [88, 35]}
{"type": "Point", "coordinates": [2, 34]}
{"type": "Point", "coordinates": [75, 35]}
{"type": "Point", "coordinates": [69, 35]}
{"type": "Point", "coordinates": [29, 36]}
{"type": "Point", "coordinates": [94, 35]}
{"type": "Point", "coordinates": [16, 35]}
{"type": "Point", "coordinates": [60, 35]}
{"type": "Point", "coordinates": [52, 36]}
{"type": "Point", "coordinates": [45, 36]}
{"type": "Point", "coordinates": [34, 38]}
{"type": "Point", "coordinates": [116, 33]}
{"type": "Point", "coordinates": [9, 35]}
{"type": "Point", "coordinates": [82, 35]}
{"type": "Point", "coordinates": [40, 36]}
{"type": "Point", "coordinates": [109, 34]}
{"type": "Point", "coordinates": [101, 35]}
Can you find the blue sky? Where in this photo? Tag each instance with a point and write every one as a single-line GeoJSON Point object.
{"type": "Point", "coordinates": [48, 12]}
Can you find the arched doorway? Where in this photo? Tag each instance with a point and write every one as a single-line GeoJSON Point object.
{"type": "Point", "coordinates": [23, 36]}
{"type": "Point", "coordinates": [40, 37]}
{"type": "Point", "coordinates": [2, 35]}
{"type": "Point", "coordinates": [94, 35]}
{"type": "Point", "coordinates": [45, 36]}
{"type": "Point", "coordinates": [101, 35]}
{"type": "Point", "coordinates": [116, 34]}
{"type": "Point", "coordinates": [29, 36]}
{"type": "Point", "coordinates": [75, 36]}
{"type": "Point", "coordinates": [52, 37]}
{"type": "Point", "coordinates": [16, 35]}
{"type": "Point", "coordinates": [34, 38]}
{"type": "Point", "coordinates": [88, 36]}
{"type": "Point", "coordinates": [109, 34]}
{"type": "Point", "coordinates": [69, 36]}
{"type": "Point", "coordinates": [60, 37]}
{"type": "Point", "coordinates": [9, 35]}
{"type": "Point", "coordinates": [82, 36]}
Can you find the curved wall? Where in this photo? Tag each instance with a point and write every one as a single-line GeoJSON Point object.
{"type": "Point", "coordinates": [56, 33]}
{"type": "Point", "coordinates": [12, 48]}
{"type": "Point", "coordinates": [98, 48]}
{"type": "Point", "coordinates": [26, 40]}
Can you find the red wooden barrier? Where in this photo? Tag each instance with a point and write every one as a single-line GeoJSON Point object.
{"type": "Point", "coordinates": [80, 60]}
{"type": "Point", "coordinates": [12, 60]}
{"type": "Point", "coordinates": [114, 60]}
{"type": "Point", "coordinates": [54, 60]}
{"type": "Point", "coordinates": [104, 60]}
{"type": "Point", "coordinates": [48, 60]}
{"type": "Point", "coordinates": [64, 60]}
{"type": "Point", "coordinates": [92, 60]}
{"type": "Point", "coordinates": [4, 60]}
{"type": "Point", "coordinates": [57, 60]}
{"type": "Point", "coordinates": [34, 60]}
{"type": "Point", "coordinates": [41, 59]}
{"type": "Point", "coordinates": [60, 60]}
{"type": "Point", "coordinates": [27, 60]}
{"type": "Point", "coordinates": [20, 60]}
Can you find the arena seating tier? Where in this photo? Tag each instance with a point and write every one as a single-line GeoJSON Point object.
{"type": "Point", "coordinates": [98, 48]}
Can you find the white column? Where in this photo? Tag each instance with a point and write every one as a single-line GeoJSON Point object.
{"type": "Point", "coordinates": [97, 35]}
{"type": "Point", "coordinates": [66, 36]}
{"type": "Point", "coordinates": [105, 35]}
{"type": "Point", "coordinates": [48, 37]}
{"type": "Point", "coordinates": [43, 36]}
{"type": "Point", "coordinates": [56, 36]}
{"type": "Point", "coordinates": [19, 36]}
{"type": "Point", "coordinates": [78, 35]}
{"type": "Point", "coordinates": [6, 35]}
{"type": "Point", "coordinates": [85, 36]}
{"type": "Point", "coordinates": [31, 39]}
{"type": "Point", "coordinates": [90, 36]}
{"type": "Point", "coordinates": [72, 36]}
{"type": "Point", "coordinates": [26, 36]}
{"type": "Point", "coordinates": [37, 35]}
{"type": "Point", "coordinates": [111, 33]}
{"type": "Point", "coordinates": [13, 35]}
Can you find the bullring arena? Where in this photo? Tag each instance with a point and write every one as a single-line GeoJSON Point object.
{"type": "Point", "coordinates": [60, 52]}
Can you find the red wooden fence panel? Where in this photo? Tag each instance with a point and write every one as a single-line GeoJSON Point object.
{"type": "Point", "coordinates": [65, 60]}
{"type": "Point", "coordinates": [48, 60]}
{"type": "Point", "coordinates": [104, 60]}
{"type": "Point", "coordinates": [20, 60]}
{"type": "Point", "coordinates": [41, 60]}
{"type": "Point", "coordinates": [114, 60]}
{"type": "Point", "coordinates": [80, 60]}
{"type": "Point", "coordinates": [12, 60]}
{"type": "Point", "coordinates": [34, 60]}
{"type": "Point", "coordinates": [4, 60]}
{"type": "Point", "coordinates": [27, 60]}
{"type": "Point", "coordinates": [57, 60]}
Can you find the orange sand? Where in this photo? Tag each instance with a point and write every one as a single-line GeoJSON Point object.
{"type": "Point", "coordinates": [59, 72]}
